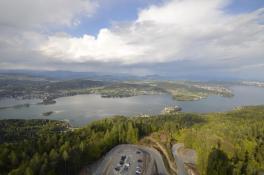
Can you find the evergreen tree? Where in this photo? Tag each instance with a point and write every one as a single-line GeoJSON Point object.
{"type": "Point", "coordinates": [218, 163]}
{"type": "Point", "coordinates": [131, 134]}
{"type": "Point", "coordinates": [29, 171]}
{"type": "Point", "coordinates": [13, 158]}
{"type": "Point", "coordinates": [65, 157]}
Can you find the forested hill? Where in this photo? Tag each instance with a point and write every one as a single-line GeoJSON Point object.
{"type": "Point", "coordinates": [226, 143]}
{"type": "Point", "coordinates": [16, 130]}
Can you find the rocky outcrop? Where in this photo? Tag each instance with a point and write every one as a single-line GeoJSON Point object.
{"type": "Point", "coordinates": [171, 110]}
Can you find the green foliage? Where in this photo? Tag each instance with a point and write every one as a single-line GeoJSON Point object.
{"type": "Point", "coordinates": [241, 133]}
{"type": "Point", "coordinates": [13, 130]}
{"type": "Point", "coordinates": [50, 147]}
{"type": "Point", "coordinates": [218, 163]}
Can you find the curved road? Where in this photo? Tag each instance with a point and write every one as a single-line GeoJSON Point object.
{"type": "Point", "coordinates": [159, 161]}
{"type": "Point", "coordinates": [179, 162]}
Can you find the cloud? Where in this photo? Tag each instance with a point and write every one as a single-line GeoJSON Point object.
{"type": "Point", "coordinates": [199, 33]}
{"type": "Point", "coordinates": [175, 30]}
{"type": "Point", "coordinates": [25, 25]}
{"type": "Point", "coordinates": [38, 13]}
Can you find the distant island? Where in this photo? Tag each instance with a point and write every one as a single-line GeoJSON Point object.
{"type": "Point", "coordinates": [253, 83]}
{"type": "Point", "coordinates": [47, 113]}
{"type": "Point", "coordinates": [16, 106]}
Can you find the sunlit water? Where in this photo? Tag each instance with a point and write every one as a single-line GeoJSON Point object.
{"type": "Point", "coordinates": [81, 109]}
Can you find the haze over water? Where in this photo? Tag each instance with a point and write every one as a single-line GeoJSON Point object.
{"type": "Point", "coordinates": [81, 109]}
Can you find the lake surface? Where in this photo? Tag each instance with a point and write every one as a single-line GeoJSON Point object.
{"type": "Point", "coordinates": [81, 109]}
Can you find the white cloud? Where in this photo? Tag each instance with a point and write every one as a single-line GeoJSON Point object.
{"type": "Point", "coordinates": [106, 47]}
{"type": "Point", "coordinates": [25, 24]}
{"type": "Point", "coordinates": [176, 30]}
{"type": "Point", "coordinates": [38, 13]}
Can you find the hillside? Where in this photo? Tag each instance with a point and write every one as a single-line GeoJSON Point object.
{"type": "Point", "coordinates": [29, 87]}
{"type": "Point", "coordinates": [235, 138]}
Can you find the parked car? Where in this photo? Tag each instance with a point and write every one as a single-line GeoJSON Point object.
{"type": "Point", "coordinates": [123, 157]}
{"type": "Point", "coordinates": [138, 170]}
{"type": "Point", "coordinates": [117, 168]}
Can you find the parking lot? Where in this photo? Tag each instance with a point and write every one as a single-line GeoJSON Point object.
{"type": "Point", "coordinates": [130, 160]}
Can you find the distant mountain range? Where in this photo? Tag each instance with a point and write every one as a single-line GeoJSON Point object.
{"type": "Point", "coordinates": [68, 75]}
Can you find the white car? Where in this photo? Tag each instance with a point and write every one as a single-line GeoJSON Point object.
{"type": "Point", "coordinates": [138, 170]}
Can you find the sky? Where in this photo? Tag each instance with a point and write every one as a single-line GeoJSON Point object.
{"type": "Point", "coordinates": [183, 38]}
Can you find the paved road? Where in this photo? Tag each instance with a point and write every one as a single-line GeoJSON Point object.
{"type": "Point", "coordinates": [179, 161]}
{"type": "Point", "coordinates": [151, 161]}
{"type": "Point", "coordinates": [159, 161]}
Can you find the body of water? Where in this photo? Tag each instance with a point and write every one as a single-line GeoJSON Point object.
{"type": "Point", "coordinates": [81, 109]}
